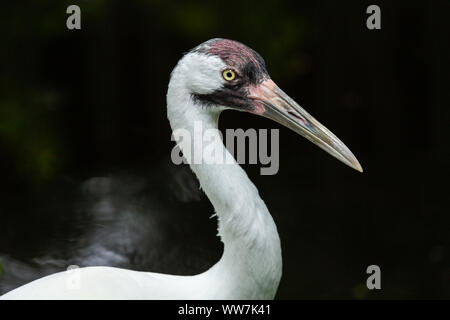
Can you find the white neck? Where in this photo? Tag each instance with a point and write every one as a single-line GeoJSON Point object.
{"type": "Point", "coordinates": [250, 267]}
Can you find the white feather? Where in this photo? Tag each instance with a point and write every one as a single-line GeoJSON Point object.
{"type": "Point", "coordinates": [250, 267]}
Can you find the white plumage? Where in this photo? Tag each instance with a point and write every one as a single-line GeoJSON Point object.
{"type": "Point", "coordinates": [251, 264]}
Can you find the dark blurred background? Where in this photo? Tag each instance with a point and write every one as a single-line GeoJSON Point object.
{"type": "Point", "coordinates": [86, 176]}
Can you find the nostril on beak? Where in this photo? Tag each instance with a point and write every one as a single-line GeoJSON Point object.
{"type": "Point", "coordinates": [295, 115]}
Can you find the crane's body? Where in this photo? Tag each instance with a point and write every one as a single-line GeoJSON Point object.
{"type": "Point", "coordinates": [250, 267]}
{"type": "Point", "coordinates": [201, 87]}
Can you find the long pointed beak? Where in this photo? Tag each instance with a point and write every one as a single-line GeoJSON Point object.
{"type": "Point", "coordinates": [271, 102]}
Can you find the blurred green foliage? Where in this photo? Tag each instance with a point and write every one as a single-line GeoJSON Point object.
{"type": "Point", "coordinates": [360, 291]}
{"type": "Point", "coordinates": [26, 133]}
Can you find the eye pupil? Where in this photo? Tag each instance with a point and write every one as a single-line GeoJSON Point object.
{"type": "Point", "coordinates": [229, 75]}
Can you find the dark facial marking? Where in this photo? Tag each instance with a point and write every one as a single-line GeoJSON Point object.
{"type": "Point", "coordinates": [251, 73]}
{"type": "Point", "coordinates": [227, 96]}
{"type": "Point", "coordinates": [249, 66]}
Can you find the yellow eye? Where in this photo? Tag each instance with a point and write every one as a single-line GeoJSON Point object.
{"type": "Point", "coordinates": [229, 74]}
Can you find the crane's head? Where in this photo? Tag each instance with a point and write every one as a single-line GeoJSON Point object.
{"type": "Point", "coordinates": [223, 73]}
